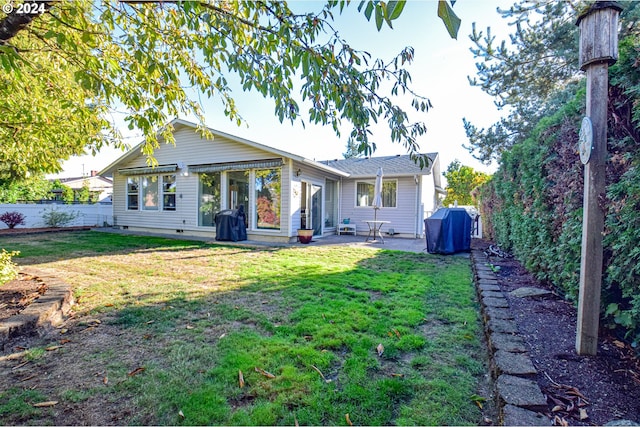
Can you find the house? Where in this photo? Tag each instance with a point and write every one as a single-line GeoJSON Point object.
{"type": "Point", "coordinates": [281, 192]}
{"type": "Point", "coordinates": [100, 187]}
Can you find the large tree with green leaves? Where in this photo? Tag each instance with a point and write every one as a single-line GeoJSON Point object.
{"type": "Point", "coordinates": [536, 72]}
{"type": "Point", "coordinates": [461, 183]}
{"type": "Point", "coordinates": [26, 190]}
{"type": "Point", "coordinates": [71, 62]}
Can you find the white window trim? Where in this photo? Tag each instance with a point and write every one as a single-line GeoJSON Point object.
{"type": "Point", "coordinates": [373, 182]}
{"type": "Point", "coordinates": [161, 193]}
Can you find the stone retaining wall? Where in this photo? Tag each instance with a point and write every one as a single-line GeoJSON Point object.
{"type": "Point", "coordinates": [518, 395]}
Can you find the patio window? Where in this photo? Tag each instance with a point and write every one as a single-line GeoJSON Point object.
{"type": "Point", "coordinates": [169, 192]}
{"type": "Point", "coordinates": [149, 186]}
{"type": "Point", "coordinates": [365, 193]}
{"type": "Point", "coordinates": [132, 193]}
{"type": "Point", "coordinates": [209, 203]}
{"type": "Point", "coordinates": [268, 200]}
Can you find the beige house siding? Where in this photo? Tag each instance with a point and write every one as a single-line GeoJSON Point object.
{"type": "Point", "coordinates": [402, 218]}
{"type": "Point", "coordinates": [312, 176]}
{"type": "Point", "coordinates": [191, 149]}
{"type": "Point", "coordinates": [416, 194]}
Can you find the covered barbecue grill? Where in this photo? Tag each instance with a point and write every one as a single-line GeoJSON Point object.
{"type": "Point", "coordinates": [231, 225]}
{"type": "Point", "coordinates": [448, 231]}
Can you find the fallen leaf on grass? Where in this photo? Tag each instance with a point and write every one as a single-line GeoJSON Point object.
{"type": "Point", "coordinates": [478, 400]}
{"type": "Point", "coordinates": [136, 371]}
{"type": "Point", "coordinates": [53, 347]}
{"type": "Point", "coordinates": [105, 380]}
{"type": "Point", "coordinates": [321, 374]}
{"type": "Point", "coordinates": [190, 327]}
{"type": "Point", "coordinates": [64, 341]}
{"type": "Point", "coordinates": [346, 417]}
{"type": "Point", "coordinates": [64, 331]}
{"type": "Point", "coordinates": [380, 349]}
{"type": "Point", "coordinates": [46, 404]}
{"type": "Point", "coordinates": [263, 372]}
{"type": "Point", "coordinates": [397, 375]}
{"type": "Point", "coordinates": [181, 414]}
{"type": "Point", "coordinates": [240, 378]}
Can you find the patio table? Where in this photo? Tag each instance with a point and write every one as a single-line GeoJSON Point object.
{"type": "Point", "coordinates": [374, 228]}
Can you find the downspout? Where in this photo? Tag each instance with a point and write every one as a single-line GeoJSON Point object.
{"type": "Point", "coordinates": [339, 202]}
{"type": "Point", "coordinates": [417, 200]}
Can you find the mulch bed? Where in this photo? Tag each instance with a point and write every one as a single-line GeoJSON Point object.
{"type": "Point", "coordinates": [580, 390]}
{"type": "Point", "coordinates": [18, 230]}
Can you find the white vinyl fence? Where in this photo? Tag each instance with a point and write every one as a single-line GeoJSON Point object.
{"type": "Point", "coordinates": [96, 215]}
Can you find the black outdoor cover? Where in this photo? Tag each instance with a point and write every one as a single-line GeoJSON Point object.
{"type": "Point", "coordinates": [231, 225]}
{"type": "Point", "coordinates": [448, 231]}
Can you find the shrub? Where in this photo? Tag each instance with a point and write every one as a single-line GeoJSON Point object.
{"type": "Point", "coordinates": [8, 270]}
{"type": "Point", "coordinates": [12, 219]}
{"type": "Point", "coordinates": [55, 218]}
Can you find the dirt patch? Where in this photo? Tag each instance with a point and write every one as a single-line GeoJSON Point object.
{"type": "Point", "coordinates": [603, 388]}
{"type": "Point", "coordinates": [17, 294]}
{"type": "Point", "coordinates": [18, 231]}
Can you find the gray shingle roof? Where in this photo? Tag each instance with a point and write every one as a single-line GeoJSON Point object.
{"type": "Point", "coordinates": [391, 165]}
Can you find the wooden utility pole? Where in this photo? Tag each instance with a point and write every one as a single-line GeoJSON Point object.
{"type": "Point", "coordinates": [598, 50]}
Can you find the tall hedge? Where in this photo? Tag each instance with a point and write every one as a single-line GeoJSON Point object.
{"type": "Point", "coordinates": [533, 204]}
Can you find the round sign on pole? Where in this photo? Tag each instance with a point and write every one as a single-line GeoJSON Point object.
{"type": "Point", "coordinates": [585, 143]}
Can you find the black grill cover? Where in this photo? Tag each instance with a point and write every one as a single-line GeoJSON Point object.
{"type": "Point", "coordinates": [231, 225]}
{"type": "Point", "coordinates": [448, 231]}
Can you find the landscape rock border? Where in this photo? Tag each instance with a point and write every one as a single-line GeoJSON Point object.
{"type": "Point", "coordinates": [519, 397]}
{"type": "Point", "coordinates": [45, 312]}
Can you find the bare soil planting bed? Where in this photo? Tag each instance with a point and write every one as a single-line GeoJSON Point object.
{"type": "Point", "coordinates": [603, 388]}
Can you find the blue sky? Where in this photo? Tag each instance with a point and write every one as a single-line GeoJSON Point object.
{"type": "Point", "coordinates": [439, 71]}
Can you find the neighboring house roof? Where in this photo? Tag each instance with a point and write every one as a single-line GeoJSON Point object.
{"type": "Point", "coordinates": [398, 165]}
{"type": "Point", "coordinates": [95, 182]}
{"type": "Point", "coordinates": [134, 152]}
{"type": "Point", "coordinates": [86, 178]}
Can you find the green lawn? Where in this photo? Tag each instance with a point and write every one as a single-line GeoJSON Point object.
{"type": "Point", "coordinates": [303, 324]}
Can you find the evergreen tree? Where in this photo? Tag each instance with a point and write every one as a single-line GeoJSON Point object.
{"type": "Point", "coordinates": [536, 73]}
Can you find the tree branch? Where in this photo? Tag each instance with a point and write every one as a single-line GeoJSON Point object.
{"type": "Point", "coordinates": [15, 22]}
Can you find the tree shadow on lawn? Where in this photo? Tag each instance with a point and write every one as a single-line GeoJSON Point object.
{"type": "Point", "coordinates": [314, 337]}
